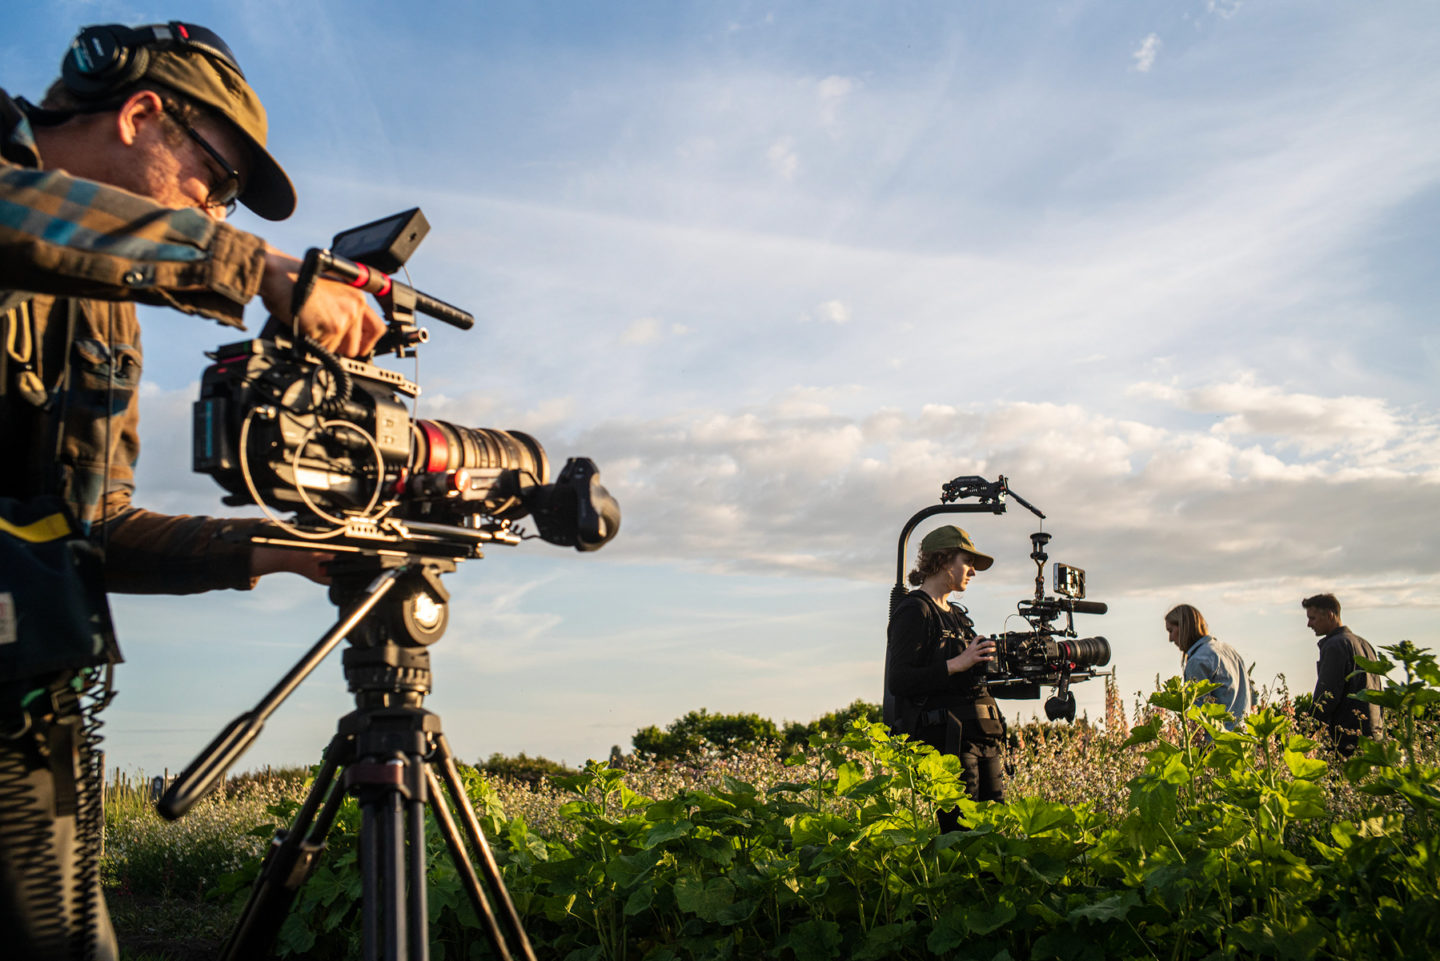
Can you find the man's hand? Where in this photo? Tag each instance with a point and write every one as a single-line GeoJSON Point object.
{"type": "Point", "coordinates": [275, 560]}
{"type": "Point", "coordinates": [336, 316]}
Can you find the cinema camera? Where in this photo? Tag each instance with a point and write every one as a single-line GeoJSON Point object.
{"type": "Point", "coordinates": [1045, 655]}
{"type": "Point", "coordinates": [1048, 655]}
{"type": "Point", "coordinates": [285, 424]}
{"type": "Point", "coordinates": [399, 501]}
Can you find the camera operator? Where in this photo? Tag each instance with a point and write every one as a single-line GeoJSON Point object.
{"type": "Point", "coordinates": [115, 190]}
{"type": "Point", "coordinates": [932, 660]}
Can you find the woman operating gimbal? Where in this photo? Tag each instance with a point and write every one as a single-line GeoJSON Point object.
{"type": "Point", "coordinates": [932, 655]}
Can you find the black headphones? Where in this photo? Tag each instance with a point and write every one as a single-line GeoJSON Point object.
{"type": "Point", "coordinates": [106, 58]}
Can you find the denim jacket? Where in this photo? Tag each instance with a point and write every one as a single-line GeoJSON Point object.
{"type": "Point", "coordinates": [1211, 660]}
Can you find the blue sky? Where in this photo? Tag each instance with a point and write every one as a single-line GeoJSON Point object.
{"type": "Point", "coordinates": [783, 269]}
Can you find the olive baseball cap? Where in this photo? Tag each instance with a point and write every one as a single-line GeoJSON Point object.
{"type": "Point", "coordinates": [215, 84]}
{"type": "Point", "coordinates": [949, 538]}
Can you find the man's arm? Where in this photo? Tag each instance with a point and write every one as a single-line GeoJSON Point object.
{"type": "Point", "coordinates": [150, 553]}
{"type": "Point", "coordinates": [72, 237]}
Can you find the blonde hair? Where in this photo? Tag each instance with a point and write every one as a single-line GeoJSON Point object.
{"type": "Point", "coordinates": [1191, 622]}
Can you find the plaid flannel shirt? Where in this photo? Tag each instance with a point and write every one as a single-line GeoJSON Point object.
{"type": "Point", "coordinates": [69, 244]}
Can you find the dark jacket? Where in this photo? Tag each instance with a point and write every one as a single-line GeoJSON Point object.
{"type": "Point", "coordinates": [942, 709]}
{"type": "Point", "coordinates": [1346, 717]}
{"type": "Point", "coordinates": [73, 247]}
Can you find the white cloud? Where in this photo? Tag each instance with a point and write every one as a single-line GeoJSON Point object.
{"type": "Point", "coordinates": [646, 330]}
{"type": "Point", "coordinates": [832, 92]}
{"type": "Point", "coordinates": [1309, 422]}
{"type": "Point", "coordinates": [1146, 53]}
{"type": "Point", "coordinates": [650, 330]}
{"type": "Point", "coordinates": [1224, 8]}
{"type": "Point", "coordinates": [829, 312]}
{"type": "Point", "coordinates": [783, 159]}
{"type": "Point", "coordinates": [1156, 505]}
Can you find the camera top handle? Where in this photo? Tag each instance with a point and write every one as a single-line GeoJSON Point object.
{"type": "Point", "coordinates": [334, 267]}
{"type": "Point", "coordinates": [366, 257]}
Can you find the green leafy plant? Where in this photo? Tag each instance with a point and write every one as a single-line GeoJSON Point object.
{"type": "Point", "coordinates": [1212, 843]}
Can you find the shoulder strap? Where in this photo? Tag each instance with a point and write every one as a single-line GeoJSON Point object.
{"type": "Point", "coordinates": [24, 394]}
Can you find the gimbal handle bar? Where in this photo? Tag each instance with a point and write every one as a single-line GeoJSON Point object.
{"type": "Point", "coordinates": [992, 501]}
{"type": "Point", "coordinates": [200, 777]}
{"type": "Point", "coordinates": [996, 508]}
{"type": "Point", "coordinates": [320, 262]}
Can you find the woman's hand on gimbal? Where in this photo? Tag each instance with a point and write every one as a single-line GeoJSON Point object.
{"type": "Point", "coordinates": [975, 652]}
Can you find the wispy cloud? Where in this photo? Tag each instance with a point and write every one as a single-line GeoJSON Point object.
{"type": "Point", "coordinates": [651, 330]}
{"type": "Point", "coordinates": [1159, 504]}
{"type": "Point", "coordinates": [1145, 54]}
{"type": "Point", "coordinates": [832, 92]}
{"type": "Point", "coordinates": [783, 158]}
{"type": "Point", "coordinates": [830, 312]}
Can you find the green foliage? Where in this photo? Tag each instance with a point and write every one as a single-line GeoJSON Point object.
{"type": "Point", "coordinates": [532, 771]}
{"type": "Point", "coordinates": [796, 735]}
{"type": "Point", "coordinates": [700, 736]}
{"type": "Point", "coordinates": [149, 856]}
{"type": "Point", "coordinates": [1224, 845]}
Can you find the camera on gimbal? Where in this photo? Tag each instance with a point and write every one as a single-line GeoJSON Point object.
{"type": "Point", "coordinates": [285, 424]}
{"type": "Point", "coordinates": [1047, 655]}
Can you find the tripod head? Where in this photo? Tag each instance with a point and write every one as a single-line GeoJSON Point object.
{"type": "Point", "coordinates": [394, 607]}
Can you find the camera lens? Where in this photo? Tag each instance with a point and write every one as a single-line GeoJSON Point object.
{"type": "Point", "coordinates": [1086, 651]}
{"type": "Point", "coordinates": [488, 461]}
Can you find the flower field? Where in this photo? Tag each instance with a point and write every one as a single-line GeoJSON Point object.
{"type": "Point", "coordinates": [1157, 834]}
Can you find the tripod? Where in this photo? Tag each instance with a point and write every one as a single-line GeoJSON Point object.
{"type": "Point", "coordinates": [390, 753]}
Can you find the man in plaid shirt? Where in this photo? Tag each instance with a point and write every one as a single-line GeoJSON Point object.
{"type": "Point", "coordinates": [115, 191]}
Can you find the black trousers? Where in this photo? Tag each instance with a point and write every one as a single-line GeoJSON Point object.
{"type": "Point", "coordinates": [47, 912]}
{"type": "Point", "coordinates": [982, 768]}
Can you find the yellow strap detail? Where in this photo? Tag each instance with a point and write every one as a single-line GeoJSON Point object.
{"type": "Point", "coordinates": [51, 528]}
{"type": "Point", "coordinates": [20, 334]}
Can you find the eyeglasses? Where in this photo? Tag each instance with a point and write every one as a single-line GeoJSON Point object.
{"type": "Point", "coordinates": [227, 191]}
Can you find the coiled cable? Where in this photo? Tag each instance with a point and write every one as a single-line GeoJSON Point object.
{"type": "Point", "coordinates": [95, 693]}
{"type": "Point", "coordinates": [27, 840]}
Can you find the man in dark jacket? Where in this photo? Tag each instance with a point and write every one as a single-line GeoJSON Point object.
{"type": "Point", "coordinates": [1338, 677]}
{"type": "Point", "coordinates": [115, 191]}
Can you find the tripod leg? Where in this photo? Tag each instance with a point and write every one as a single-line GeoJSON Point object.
{"type": "Point", "coordinates": [419, 908]}
{"type": "Point", "coordinates": [467, 873]}
{"type": "Point", "coordinates": [392, 834]}
{"type": "Point", "coordinates": [288, 864]}
{"type": "Point", "coordinates": [392, 875]}
{"type": "Point", "coordinates": [369, 883]}
{"type": "Point", "coordinates": [446, 761]}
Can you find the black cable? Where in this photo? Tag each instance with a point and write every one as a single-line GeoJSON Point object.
{"type": "Point", "coordinates": [342, 386]}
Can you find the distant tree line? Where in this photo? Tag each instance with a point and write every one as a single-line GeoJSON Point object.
{"type": "Point", "coordinates": [698, 736]}
{"type": "Point", "coordinates": [702, 736]}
